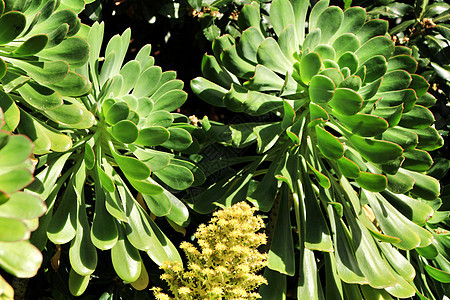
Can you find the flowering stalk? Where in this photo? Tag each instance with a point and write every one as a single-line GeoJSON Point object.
{"type": "Point", "coordinates": [225, 266]}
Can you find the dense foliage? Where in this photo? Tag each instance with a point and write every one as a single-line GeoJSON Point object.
{"type": "Point", "coordinates": [330, 117]}
{"type": "Point", "coordinates": [349, 141]}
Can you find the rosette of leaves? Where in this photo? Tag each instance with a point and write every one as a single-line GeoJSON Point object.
{"type": "Point", "coordinates": [424, 27]}
{"type": "Point", "coordinates": [19, 211]}
{"type": "Point", "coordinates": [121, 168]}
{"type": "Point", "coordinates": [347, 147]}
{"type": "Point", "coordinates": [39, 52]}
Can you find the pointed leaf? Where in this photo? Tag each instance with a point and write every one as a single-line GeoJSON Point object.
{"type": "Point", "coordinates": [375, 150]}
{"type": "Point", "coordinates": [372, 182]}
{"type": "Point", "coordinates": [31, 46]}
{"type": "Point", "coordinates": [281, 253]}
{"type": "Point", "coordinates": [363, 124]}
{"type": "Point", "coordinates": [73, 50]}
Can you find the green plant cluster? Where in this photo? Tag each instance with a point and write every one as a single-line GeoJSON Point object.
{"type": "Point", "coordinates": [424, 28]}
{"type": "Point", "coordinates": [115, 152]}
{"type": "Point", "coordinates": [36, 59]}
{"type": "Point", "coordinates": [349, 145]}
{"type": "Point", "coordinates": [98, 135]}
{"type": "Point", "coordinates": [347, 120]}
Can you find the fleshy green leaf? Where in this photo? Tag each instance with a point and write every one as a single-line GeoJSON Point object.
{"type": "Point", "coordinates": [374, 150]}
{"type": "Point", "coordinates": [179, 139]}
{"type": "Point", "coordinates": [321, 89]}
{"type": "Point", "coordinates": [31, 46]}
{"type": "Point", "coordinates": [14, 230]}
{"type": "Point", "coordinates": [282, 14]}
{"type": "Point", "coordinates": [12, 24]}
{"type": "Point", "coordinates": [21, 259]}
{"type": "Point", "coordinates": [329, 145]}
{"type": "Point", "coordinates": [130, 166]}
{"type": "Point", "coordinates": [372, 182]}
{"type": "Point", "coordinates": [281, 256]}
{"type": "Point", "coordinates": [346, 101]}
{"type": "Point", "coordinates": [126, 260]}
{"type": "Point", "coordinates": [117, 112]}
{"type": "Point", "coordinates": [125, 131]}
{"type": "Point", "coordinates": [364, 124]}
{"type": "Point", "coordinates": [309, 66]}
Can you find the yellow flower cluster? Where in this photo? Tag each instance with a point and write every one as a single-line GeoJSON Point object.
{"type": "Point", "coordinates": [225, 266]}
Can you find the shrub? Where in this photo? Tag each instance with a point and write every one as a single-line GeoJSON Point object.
{"type": "Point", "coordinates": [35, 69]}
{"type": "Point", "coordinates": [118, 164]}
{"type": "Point", "coordinates": [349, 141]}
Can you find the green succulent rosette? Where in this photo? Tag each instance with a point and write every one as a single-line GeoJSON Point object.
{"type": "Point", "coordinates": [35, 69]}
{"type": "Point", "coordinates": [348, 145]}
{"type": "Point", "coordinates": [19, 211]}
{"type": "Point", "coordinates": [122, 168]}
{"type": "Point", "coordinates": [39, 52]}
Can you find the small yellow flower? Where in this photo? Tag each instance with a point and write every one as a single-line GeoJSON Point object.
{"type": "Point", "coordinates": [162, 296]}
{"type": "Point", "coordinates": [222, 223]}
{"type": "Point", "coordinates": [254, 296]}
{"type": "Point", "coordinates": [220, 247]}
{"type": "Point", "coordinates": [159, 295]}
{"type": "Point", "coordinates": [208, 272]}
{"type": "Point", "coordinates": [224, 267]}
{"type": "Point", "coordinates": [239, 292]}
{"type": "Point", "coordinates": [243, 268]}
{"type": "Point", "coordinates": [184, 290]}
{"type": "Point", "coordinates": [195, 267]}
{"type": "Point", "coordinates": [221, 270]}
{"type": "Point", "coordinates": [207, 252]}
{"type": "Point", "coordinates": [238, 249]}
{"type": "Point", "coordinates": [189, 248]}
{"type": "Point", "coordinates": [216, 291]}
{"type": "Point", "coordinates": [166, 277]}
{"type": "Point", "coordinates": [174, 267]}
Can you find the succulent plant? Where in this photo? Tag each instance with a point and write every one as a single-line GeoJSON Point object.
{"type": "Point", "coordinates": [121, 162]}
{"type": "Point", "coordinates": [424, 28]}
{"type": "Point", "coordinates": [39, 51]}
{"type": "Point", "coordinates": [19, 211]}
{"type": "Point", "coordinates": [348, 146]}
{"type": "Point", "coordinates": [36, 41]}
